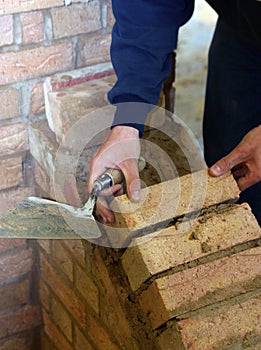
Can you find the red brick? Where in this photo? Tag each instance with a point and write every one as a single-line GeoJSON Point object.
{"type": "Point", "coordinates": [15, 264]}
{"type": "Point", "coordinates": [58, 339]}
{"type": "Point", "coordinates": [63, 291]}
{"type": "Point", "coordinates": [6, 30]}
{"type": "Point", "coordinates": [83, 283]}
{"type": "Point", "coordinates": [62, 319]}
{"type": "Point", "coordinates": [7, 244]}
{"type": "Point", "coordinates": [35, 62]}
{"type": "Point", "coordinates": [11, 172]}
{"type": "Point", "coordinates": [14, 294]}
{"type": "Point", "coordinates": [11, 197]}
{"type": "Point", "coordinates": [81, 342]}
{"type": "Point", "coordinates": [100, 336]}
{"type": "Point", "coordinates": [76, 248]}
{"type": "Point", "coordinates": [93, 49]}
{"type": "Point", "coordinates": [37, 99]}
{"type": "Point", "coordinates": [17, 6]}
{"type": "Point", "coordinates": [21, 342]}
{"type": "Point", "coordinates": [32, 27]}
{"type": "Point", "coordinates": [203, 285]}
{"type": "Point", "coordinates": [222, 329]}
{"type": "Point", "coordinates": [12, 139]}
{"type": "Point", "coordinates": [76, 19]}
{"type": "Point", "coordinates": [9, 107]}
{"type": "Point", "coordinates": [44, 296]}
{"type": "Point", "coordinates": [62, 258]}
{"type": "Point", "coordinates": [25, 318]}
{"type": "Point", "coordinates": [110, 16]}
{"type": "Point", "coordinates": [41, 178]}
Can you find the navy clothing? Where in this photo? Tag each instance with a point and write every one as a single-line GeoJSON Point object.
{"type": "Point", "coordinates": [143, 37]}
{"type": "Point", "coordinates": [233, 105]}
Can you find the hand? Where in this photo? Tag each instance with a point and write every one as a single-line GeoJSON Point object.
{"type": "Point", "coordinates": [120, 150]}
{"type": "Point", "coordinates": [244, 161]}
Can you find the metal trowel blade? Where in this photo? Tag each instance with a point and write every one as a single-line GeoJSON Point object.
{"type": "Point", "coordinates": [45, 219]}
{"type": "Point", "coordinates": [80, 220]}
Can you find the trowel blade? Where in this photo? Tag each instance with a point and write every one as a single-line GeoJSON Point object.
{"type": "Point", "coordinates": [30, 219]}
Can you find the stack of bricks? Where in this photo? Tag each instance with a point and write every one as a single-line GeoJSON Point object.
{"type": "Point", "coordinates": [38, 39]}
{"type": "Point", "coordinates": [192, 282]}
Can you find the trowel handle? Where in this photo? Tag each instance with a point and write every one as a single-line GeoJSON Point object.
{"type": "Point", "coordinates": [113, 177]}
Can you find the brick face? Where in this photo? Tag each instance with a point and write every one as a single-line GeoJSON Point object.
{"type": "Point", "coordinates": [11, 172]}
{"type": "Point", "coordinates": [15, 264]}
{"type": "Point", "coordinates": [37, 99]}
{"type": "Point", "coordinates": [12, 139]}
{"type": "Point", "coordinates": [14, 294]}
{"type": "Point", "coordinates": [9, 107]}
{"type": "Point", "coordinates": [6, 30]}
{"type": "Point", "coordinates": [76, 19]}
{"type": "Point", "coordinates": [93, 49]}
{"type": "Point", "coordinates": [32, 27]}
{"type": "Point", "coordinates": [16, 6]}
{"type": "Point", "coordinates": [35, 62]}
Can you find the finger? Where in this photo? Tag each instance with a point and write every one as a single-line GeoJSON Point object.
{"type": "Point", "coordinates": [226, 163]}
{"type": "Point", "coordinates": [131, 173]}
{"type": "Point", "coordinates": [104, 211]}
{"type": "Point", "coordinates": [111, 190]}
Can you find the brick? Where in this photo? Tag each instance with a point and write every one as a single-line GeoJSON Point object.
{"type": "Point", "coordinates": [9, 107]}
{"type": "Point", "coordinates": [37, 99]}
{"type": "Point", "coordinates": [11, 243]}
{"type": "Point", "coordinates": [56, 336]}
{"type": "Point", "coordinates": [62, 258]}
{"type": "Point", "coordinates": [61, 318]}
{"type": "Point", "coordinates": [44, 295]}
{"type": "Point", "coordinates": [63, 291]}
{"type": "Point", "coordinates": [110, 16]}
{"type": "Point", "coordinates": [76, 19]}
{"type": "Point", "coordinates": [16, 6]}
{"type": "Point", "coordinates": [11, 172]}
{"type": "Point", "coordinates": [32, 27]}
{"type": "Point", "coordinates": [69, 105]}
{"type": "Point", "coordinates": [237, 326]}
{"type": "Point", "coordinates": [11, 197]}
{"type": "Point", "coordinates": [35, 62]}
{"type": "Point", "coordinates": [21, 342]}
{"type": "Point", "coordinates": [6, 30]}
{"type": "Point", "coordinates": [15, 264]}
{"type": "Point", "coordinates": [14, 294]}
{"type": "Point", "coordinates": [43, 146]}
{"type": "Point", "coordinates": [12, 139]}
{"type": "Point", "coordinates": [100, 336]}
{"type": "Point", "coordinates": [81, 342]}
{"type": "Point", "coordinates": [87, 288]}
{"type": "Point", "coordinates": [93, 49]}
{"type": "Point", "coordinates": [111, 309]}
{"type": "Point", "coordinates": [41, 178]}
{"type": "Point", "coordinates": [188, 290]}
{"type": "Point", "coordinates": [25, 318]}
{"type": "Point", "coordinates": [76, 247]}
{"type": "Point", "coordinates": [168, 249]}
{"type": "Point", "coordinates": [162, 202]}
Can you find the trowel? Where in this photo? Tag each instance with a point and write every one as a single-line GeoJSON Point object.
{"type": "Point", "coordinates": [76, 217]}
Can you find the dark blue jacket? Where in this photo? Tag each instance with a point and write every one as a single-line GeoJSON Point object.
{"type": "Point", "coordinates": [143, 37]}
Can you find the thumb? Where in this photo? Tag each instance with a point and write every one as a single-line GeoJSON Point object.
{"type": "Point", "coordinates": [225, 164]}
{"type": "Point", "coordinates": [132, 179]}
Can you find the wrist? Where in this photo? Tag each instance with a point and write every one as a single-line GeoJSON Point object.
{"type": "Point", "coordinates": [126, 131]}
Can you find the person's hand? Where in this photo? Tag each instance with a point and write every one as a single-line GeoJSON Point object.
{"type": "Point", "coordinates": [244, 161]}
{"type": "Point", "coordinates": [120, 150]}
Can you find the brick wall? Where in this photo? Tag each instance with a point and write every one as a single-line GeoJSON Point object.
{"type": "Point", "coordinates": [38, 39]}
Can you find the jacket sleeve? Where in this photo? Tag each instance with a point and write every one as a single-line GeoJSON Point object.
{"type": "Point", "coordinates": [143, 37]}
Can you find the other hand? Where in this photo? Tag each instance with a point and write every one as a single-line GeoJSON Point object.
{"type": "Point", "coordinates": [244, 161]}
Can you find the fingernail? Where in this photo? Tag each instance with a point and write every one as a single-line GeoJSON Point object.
{"type": "Point", "coordinates": [136, 195]}
{"type": "Point", "coordinates": [216, 169]}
